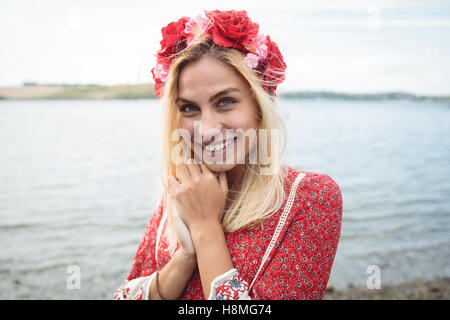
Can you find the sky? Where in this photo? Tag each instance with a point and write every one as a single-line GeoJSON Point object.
{"type": "Point", "coordinates": [347, 46]}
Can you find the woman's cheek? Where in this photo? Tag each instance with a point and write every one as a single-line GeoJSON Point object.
{"type": "Point", "coordinates": [187, 124]}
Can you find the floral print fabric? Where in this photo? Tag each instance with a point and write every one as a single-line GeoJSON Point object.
{"type": "Point", "coordinates": [297, 268]}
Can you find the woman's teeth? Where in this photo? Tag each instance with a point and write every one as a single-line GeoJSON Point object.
{"type": "Point", "coordinates": [219, 147]}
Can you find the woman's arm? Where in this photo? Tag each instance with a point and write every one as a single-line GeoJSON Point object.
{"type": "Point", "coordinates": [173, 277]}
{"type": "Point", "coordinates": [200, 198]}
{"type": "Point", "coordinates": [213, 256]}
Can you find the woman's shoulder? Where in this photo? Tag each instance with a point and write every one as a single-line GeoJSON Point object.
{"type": "Point", "coordinates": [315, 186]}
{"type": "Point", "coordinates": [311, 179]}
{"type": "Point", "coordinates": [318, 200]}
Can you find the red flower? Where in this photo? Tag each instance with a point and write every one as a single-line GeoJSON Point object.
{"type": "Point", "coordinates": [275, 67]}
{"type": "Point", "coordinates": [232, 28]}
{"type": "Point", "coordinates": [174, 39]}
{"type": "Point", "coordinates": [158, 87]}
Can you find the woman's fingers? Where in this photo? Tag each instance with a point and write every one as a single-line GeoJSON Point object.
{"type": "Point", "coordinates": [183, 173]}
{"type": "Point", "coordinates": [205, 169]}
{"type": "Point", "coordinates": [223, 183]}
{"type": "Point", "coordinates": [194, 168]}
{"type": "Point", "coordinates": [172, 184]}
{"type": "Point", "coordinates": [220, 176]}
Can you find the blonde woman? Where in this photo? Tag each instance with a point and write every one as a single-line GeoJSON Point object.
{"type": "Point", "coordinates": [233, 221]}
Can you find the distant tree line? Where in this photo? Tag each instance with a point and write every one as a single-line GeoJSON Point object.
{"type": "Point", "coordinates": [31, 83]}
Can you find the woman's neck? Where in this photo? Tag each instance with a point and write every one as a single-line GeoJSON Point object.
{"type": "Point", "coordinates": [235, 177]}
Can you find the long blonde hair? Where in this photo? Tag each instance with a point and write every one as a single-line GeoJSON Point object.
{"type": "Point", "coordinates": [259, 195]}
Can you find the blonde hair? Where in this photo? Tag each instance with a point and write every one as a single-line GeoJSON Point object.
{"type": "Point", "coordinates": [259, 195]}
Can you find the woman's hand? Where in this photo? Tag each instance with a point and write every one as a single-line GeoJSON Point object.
{"type": "Point", "coordinates": [199, 195]}
{"type": "Point", "coordinates": [183, 235]}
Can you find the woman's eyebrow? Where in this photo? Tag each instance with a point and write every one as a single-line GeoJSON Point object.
{"type": "Point", "coordinates": [221, 93]}
{"type": "Point", "coordinates": [212, 98]}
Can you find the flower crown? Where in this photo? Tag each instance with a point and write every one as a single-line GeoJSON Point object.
{"type": "Point", "coordinates": [230, 29]}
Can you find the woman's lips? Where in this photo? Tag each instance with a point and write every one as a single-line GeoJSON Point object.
{"type": "Point", "coordinates": [212, 150]}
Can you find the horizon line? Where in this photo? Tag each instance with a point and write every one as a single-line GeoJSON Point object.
{"type": "Point", "coordinates": [283, 93]}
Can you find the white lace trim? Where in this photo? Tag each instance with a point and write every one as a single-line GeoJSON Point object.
{"type": "Point", "coordinates": [135, 289]}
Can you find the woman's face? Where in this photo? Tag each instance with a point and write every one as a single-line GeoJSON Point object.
{"type": "Point", "coordinates": [215, 105]}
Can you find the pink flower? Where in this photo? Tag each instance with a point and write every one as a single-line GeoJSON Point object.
{"type": "Point", "coordinates": [251, 60]}
{"type": "Point", "coordinates": [161, 71]}
{"type": "Point", "coordinates": [195, 28]}
{"type": "Point", "coordinates": [260, 40]}
{"type": "Point", "coordinates": [262, 51]}
{"type": "Point", "coordinates": [253, 44]}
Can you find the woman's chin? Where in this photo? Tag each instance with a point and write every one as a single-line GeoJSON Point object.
{"type": "Point", "coordinates": [219, 167]}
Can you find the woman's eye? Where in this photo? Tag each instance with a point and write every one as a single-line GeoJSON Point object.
{"type": "Point", "coordinates": [222, 102]}
{"type": "Point", "coordinates": [187, 108]}
{"type": "Point", "coordinates": [226, 101]}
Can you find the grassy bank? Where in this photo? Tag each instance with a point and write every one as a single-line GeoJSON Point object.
{"type": "Point", "coordinates": [139, 91]}
{"type": "Point", "coordinates": [145, 91]}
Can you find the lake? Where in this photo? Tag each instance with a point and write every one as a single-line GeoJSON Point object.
{"type": "Point", "coordinates": [78, 183]}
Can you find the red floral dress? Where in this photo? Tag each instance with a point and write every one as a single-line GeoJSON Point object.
{"type": "Point", "coordinates": [296, 265]}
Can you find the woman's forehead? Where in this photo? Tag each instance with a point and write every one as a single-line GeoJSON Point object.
{"type": "Point", "coordinates": [206, 76]}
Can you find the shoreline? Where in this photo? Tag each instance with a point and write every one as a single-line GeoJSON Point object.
{"type": "Point", "coordinates": [420, 289]}
{"type": "Point", "coordinates": [77, 92]}
{"type": "Point", "coordinates": [35, 91]}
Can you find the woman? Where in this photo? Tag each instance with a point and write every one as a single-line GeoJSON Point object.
{"type": "Point", "coordinates": [233, 221]}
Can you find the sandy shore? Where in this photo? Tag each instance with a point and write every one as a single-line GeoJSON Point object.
{"type": "Point", "coordinates": [436, 289]}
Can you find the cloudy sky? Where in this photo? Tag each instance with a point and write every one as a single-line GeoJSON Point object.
{"type": "Point", "coordinates": [348, 46]}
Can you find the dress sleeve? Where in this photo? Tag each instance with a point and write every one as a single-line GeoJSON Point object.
{"type": "Point", "coordinates": [136, 289]}
{"type": "Point", "coordinates": [143, 268]}
{"type": "Point", "coordinates": [229, 286]}
{"type": "Point", "coordinates": [301, 263]}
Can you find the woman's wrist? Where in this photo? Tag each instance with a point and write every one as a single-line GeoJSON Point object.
{"type": "Point", "coordinates": [210, 244]}
{"type": "Point", "coordinates": [185, 257]}
{"type": "Point", "coordinates": [174, 276]}
{"type": "Point", "coordinates": [209, 237]}
{"type": "Point", "coordinates": [206, 230]}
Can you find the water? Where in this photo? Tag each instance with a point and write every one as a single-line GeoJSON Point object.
{"type": "Point", "coordinates": [78, 183]}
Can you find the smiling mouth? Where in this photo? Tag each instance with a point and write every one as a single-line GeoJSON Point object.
{"type": "Point", "coordinates": [212, 150]}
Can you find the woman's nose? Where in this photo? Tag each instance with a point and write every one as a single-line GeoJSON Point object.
{"type": "Point", "coordinates": [210, 126]}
